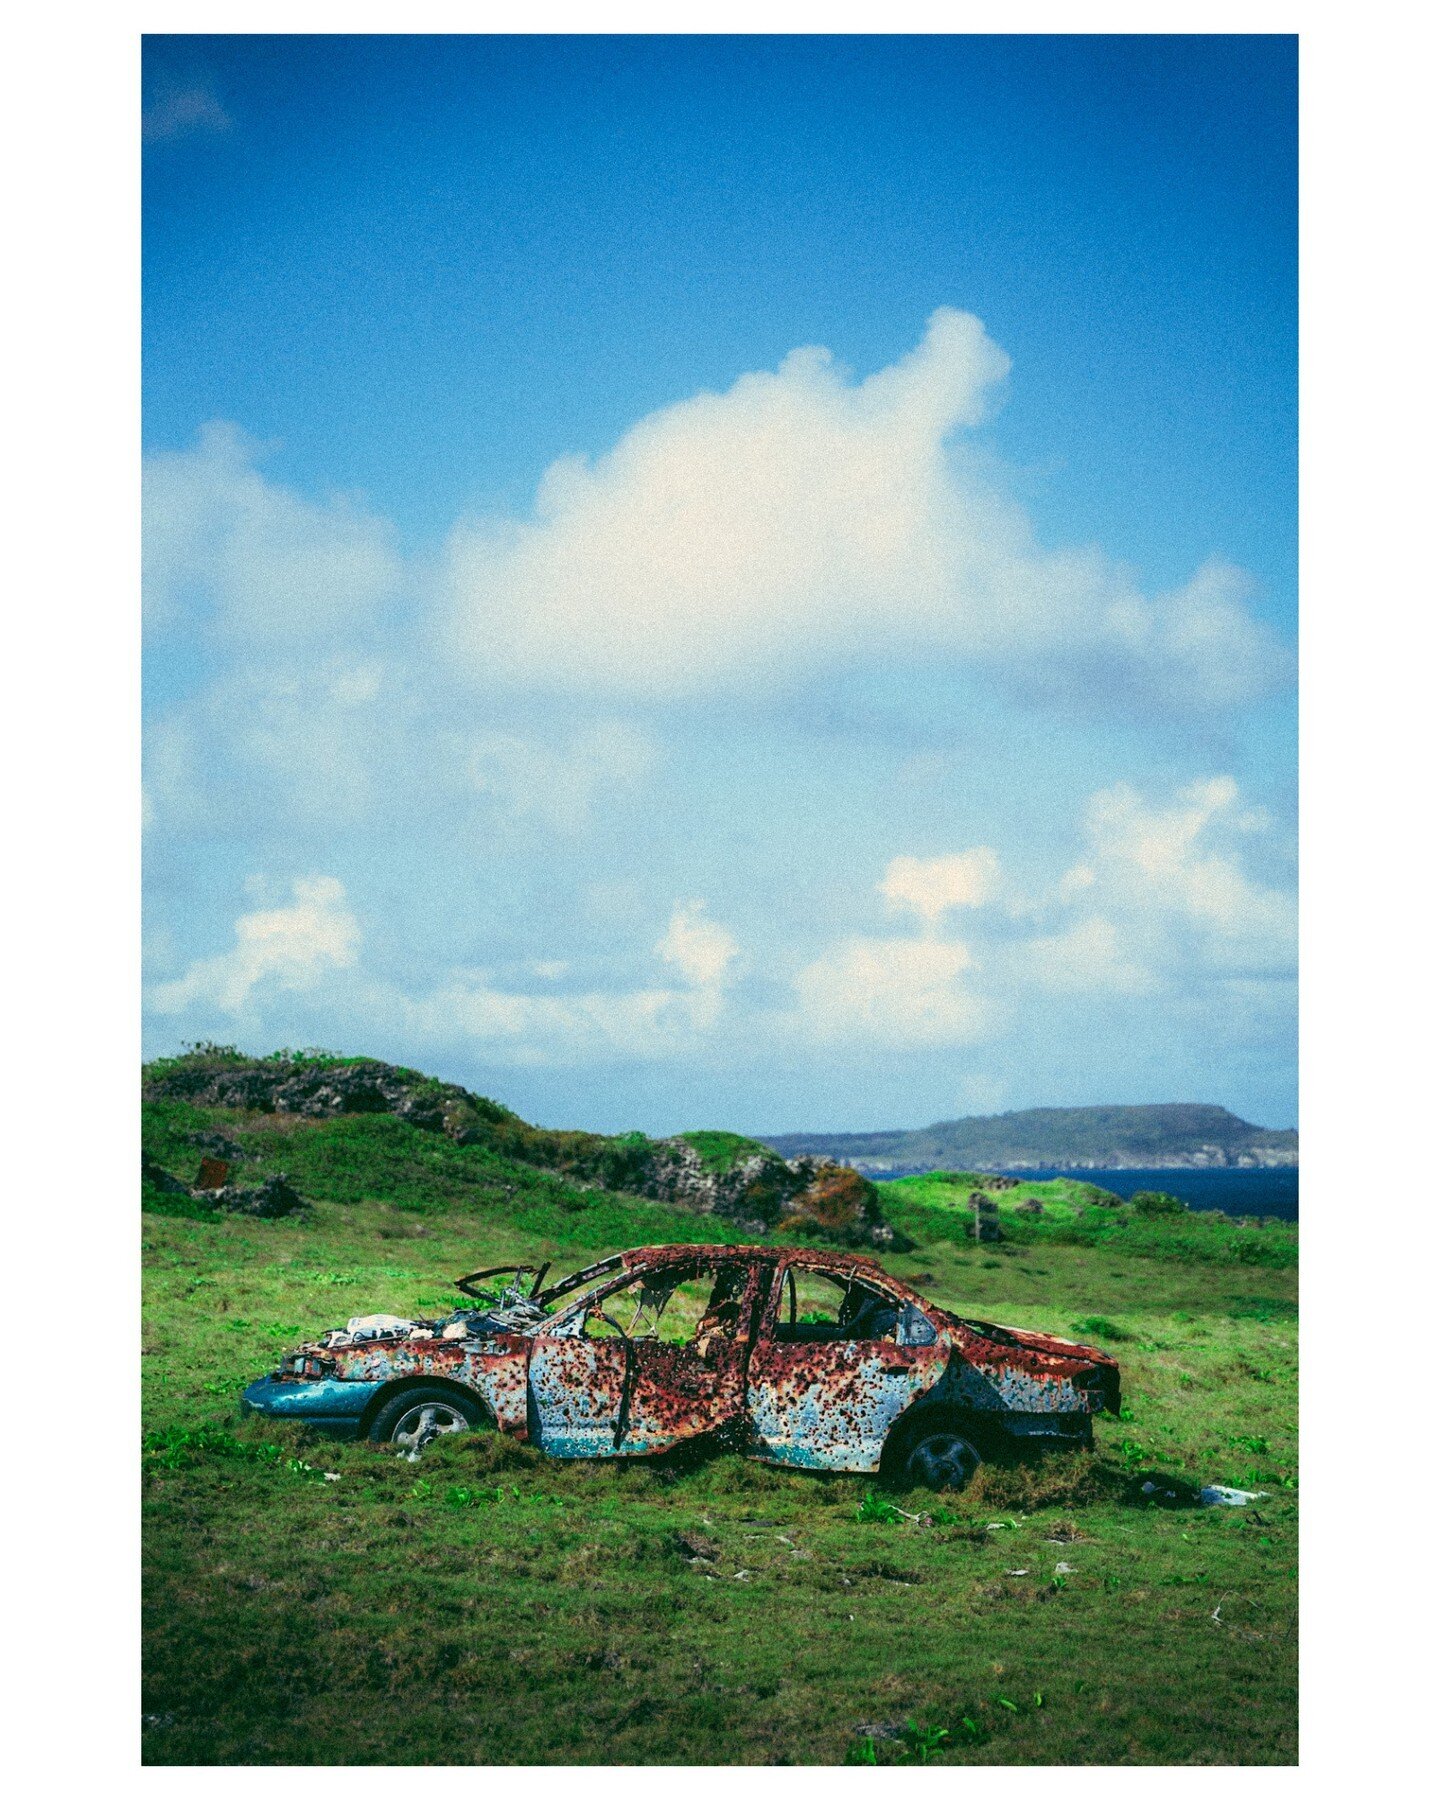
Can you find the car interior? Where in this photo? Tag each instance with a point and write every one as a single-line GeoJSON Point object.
{"type": "Point", "coordinates": [818, 1309]}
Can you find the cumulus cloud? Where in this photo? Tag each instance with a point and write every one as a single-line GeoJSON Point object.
{"type": "Point", "coordinates": [289, 947]}
{"type": "Point", "coordinates": [266, 562]}
{"type": "Point", "coordinates": [932, 886]}
{"type": "Point", "coordinates": [698, 949]}
{"type": "Point", "coordinates": [1085, 958]}
{"type": "Point", "coordinates": [801, 520]}
{"type": "Point", "coordinates": [1178, 862]}
{"type": "Point", "coordinates": [641, 1023]}
{"type": "Point", "coordinates": [1160, 902]}
{"type": "Point", "coordinates": [1162, 908]}
{"type": "Point", "coordinates": [892, 993]}
{"type": "Point", "coordinates": [761, 535]}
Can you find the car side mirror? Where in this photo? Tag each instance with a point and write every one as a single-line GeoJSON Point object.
{"type": "Point", "coordinates": [913, 1328]}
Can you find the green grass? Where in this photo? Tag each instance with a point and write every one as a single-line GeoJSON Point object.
{"type": "Point", "coordinates": [488, 1605]}
{"type": "Point", "coordinates": [1079, 1212]}
{"type": "Point", "coordinates": [720, 1151]}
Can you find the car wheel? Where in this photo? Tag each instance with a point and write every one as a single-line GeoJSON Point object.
{"type": "Point", "coordinates": [418, 1415]}
{"type": "Point", "coordinates": [940, 1457]}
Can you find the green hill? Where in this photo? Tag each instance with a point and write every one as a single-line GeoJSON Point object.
{"type": "Point", "coordinates": [1174, 1136]}
{"type": "Point", "coordinates": [300, 1126]}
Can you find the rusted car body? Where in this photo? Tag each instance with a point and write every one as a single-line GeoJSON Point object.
{"type": "Point", "coordinates": [608, 1363]}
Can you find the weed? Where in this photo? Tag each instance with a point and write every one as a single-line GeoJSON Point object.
{"type": "Point", "coordinates": [456, 1497]}
{"type": "Point", "coordinates": [183, 1447]}
{"type": "Point", "coordinates": [919, 1743]}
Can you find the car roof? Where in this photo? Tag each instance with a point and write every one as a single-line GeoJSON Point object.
{"type": "Point", "coordinates": [662, 1256]}
{"type": "Point", "coordinates": [840, 1262]}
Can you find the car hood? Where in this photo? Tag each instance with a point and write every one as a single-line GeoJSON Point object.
{"type": "Point", "coordinates": [376, 1328]}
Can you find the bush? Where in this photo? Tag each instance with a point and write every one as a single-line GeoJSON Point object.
{"type": "Point", "coordinates": [1150, 1204]}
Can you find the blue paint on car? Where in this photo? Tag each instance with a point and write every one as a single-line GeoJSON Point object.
{"type": "Point", "coordinates": [332, 1406]}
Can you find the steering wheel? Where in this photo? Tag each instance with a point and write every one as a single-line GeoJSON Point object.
{"type": "Point", "coordinates": [612, 1321]}
{"type": "Point", "coordinates": [873, 1317]}
{"type": "Point", "coordinates": [855, 1301]}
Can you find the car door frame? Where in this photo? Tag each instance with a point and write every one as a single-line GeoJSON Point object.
{"type": "Point", "coordinates": [623, 1396]}
{"type": "Point", "coordinates": [831, 1404]}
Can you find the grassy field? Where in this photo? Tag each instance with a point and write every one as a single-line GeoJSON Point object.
{"type": "Point", "coordinates": [489, 1606]}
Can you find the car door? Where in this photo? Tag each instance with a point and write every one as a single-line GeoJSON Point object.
{"type": "Point", "coordinates": [651, 1361]}
{"type": "Point", "coordinates": [836, 1360]}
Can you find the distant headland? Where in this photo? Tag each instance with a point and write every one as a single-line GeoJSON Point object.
{"type": "Point", "coordinates": [1173, 1136]}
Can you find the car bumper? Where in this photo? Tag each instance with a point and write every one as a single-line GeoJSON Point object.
{"type": "Point", "coordinates": [335, 1407]}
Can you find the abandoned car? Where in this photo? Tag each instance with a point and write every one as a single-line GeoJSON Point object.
{"type": "Point", "coordinates": [801, 1357]}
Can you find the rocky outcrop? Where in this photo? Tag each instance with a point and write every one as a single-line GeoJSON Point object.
{"type": "Point", "coordinates": [323, 1090]}
{"type": "Point", "coordinates": [274, 1198]}
{"type": "Point", "coordinates": [763, 1193]}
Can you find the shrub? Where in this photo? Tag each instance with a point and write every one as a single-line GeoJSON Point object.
{"type": "Point", "coordinates": [1150, 1204]}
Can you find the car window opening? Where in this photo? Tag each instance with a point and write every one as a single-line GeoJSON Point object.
{"type": "Point", "coordinates": [691, 1306]}
{"type": "Point", "coordinates": [816, 1308]}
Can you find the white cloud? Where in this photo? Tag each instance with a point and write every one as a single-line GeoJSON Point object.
{"type": "Point", "coordinates": [289, 947]}
{"type": "Point", "coordinates": [268, 563]}
{"type": "Point", "coordinates": [636, 1024]}
{"type": "Point", "coordinates": [698, 949]}
{"type": "Point", "coordinates": [642, 1023]}
{"type": "Point", "coordinates": [1162, 901]}
{"type": "Point", "coordinates": [312, 740]}
{"type": "Point", "coordinates": [1177, 863]}
{"type": "Point", "coordinates": [1086, 958]}
{"type": "Point", "coordinates": [931, 886]}
{"type": "Point", "coordinates": [800, 520]}
{"type": "Point", "coordinates": [894, 993]}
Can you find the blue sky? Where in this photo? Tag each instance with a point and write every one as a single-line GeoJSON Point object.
{"type": "Point", "coordinates": [744, 582]}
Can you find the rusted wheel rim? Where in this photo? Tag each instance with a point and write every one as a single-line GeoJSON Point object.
{"type": "Point", "coordinates": [426, 1420]}
{"type": "Point", "coordinates": [944, 1459]}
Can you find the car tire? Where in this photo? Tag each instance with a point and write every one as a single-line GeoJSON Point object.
{"type": "Point", "coordinates": [417, 1415]}
{"type": "Point", "coordinates": [940, 1454]}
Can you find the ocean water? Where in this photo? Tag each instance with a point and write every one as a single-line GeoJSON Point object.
{"type": "Point", "coordinates": [1258, 1193]}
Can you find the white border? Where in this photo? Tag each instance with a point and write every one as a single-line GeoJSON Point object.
{"type": "Point", "coordinates": [70, 720]}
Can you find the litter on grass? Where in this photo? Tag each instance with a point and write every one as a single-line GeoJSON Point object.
{"type": "Point", "coordinates": [1225, 1496]}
